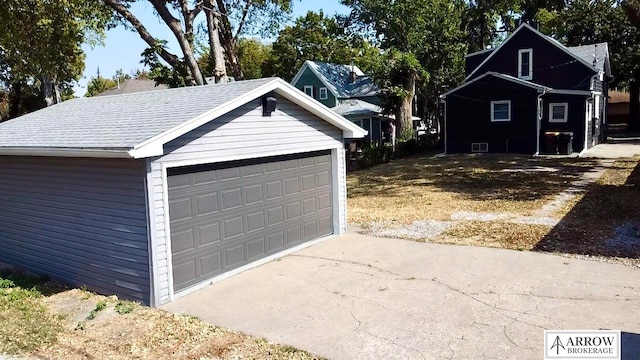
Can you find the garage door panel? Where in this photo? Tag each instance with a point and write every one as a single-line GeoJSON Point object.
{"type": "Point", "coordinates": [232, 228]}
{"type": "Point", "coordinates": [253, 194]}
{"type": "Point", "coordinates": [255, 221]}
{"type": "Point", "coordinates": [225, 218]}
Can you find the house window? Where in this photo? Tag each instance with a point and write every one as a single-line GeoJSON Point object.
{"type": "Point", "coordinates": [323, 93]}
{"type": "Point", "coordinates": [479, 147]}
{"type": "Point", "coordinates": [308, 89]}
{"type": "Point", "coordinates": [525, 64]}
{"type": "Point", "coordinates": [558, 112]}
{"type": "Point", "coordinates": [501, 110]}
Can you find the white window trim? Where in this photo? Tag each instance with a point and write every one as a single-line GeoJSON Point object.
{"type": "Point", "coordinates": [530, 75]}
{"type": "Point", "coordinates": [566, 112]}
{"type": "Point", "coordinates": [479, 147]}
{"type": "Point", "coordinates": [324, 93]}
{"type": "Point", "coordinates": [310, 88]}
{"type": "Point", "coordinates": [500, 102]}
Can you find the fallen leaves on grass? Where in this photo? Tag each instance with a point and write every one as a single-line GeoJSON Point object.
{"type": "Point", "coordinates": [414, 189]}
{"type": "Point", "coordinates": [495, 234]}
{"type": "Point", "coordinates": [124, 330]}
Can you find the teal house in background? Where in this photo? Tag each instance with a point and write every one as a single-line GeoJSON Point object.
{"type": "Point", "coordinates": [347, 91]}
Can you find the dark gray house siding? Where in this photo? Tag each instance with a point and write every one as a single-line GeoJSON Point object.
{"type": "Point", "coordinates": [79, 220]}
{"type": "Point", "coordinates": [576, 117]}
{"type": "Point", "coordinates": [468, 114]}
{"type": "Point", "coordinates": [548, 62]}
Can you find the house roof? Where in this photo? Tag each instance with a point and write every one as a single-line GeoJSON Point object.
{"type": "Point", "coordinates": [134, 86]}
{"type": "Point", "coordinates": [540, 88]}
{"type": "Point", "coordinates": [599, 51]}
{"type": "Point", "coordinates": [355, 107]}
{"type": "Point", "coordinates": [336, 78]}
{"type": "Point", "coordinates": [581, 53]}
{"type": "Point", "coordinates": [137, 125]}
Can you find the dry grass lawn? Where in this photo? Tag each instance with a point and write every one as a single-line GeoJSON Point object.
{"type": "Point", "coordinates": [413, 189]}
{"type": "Point", "coordinates": [431, 188]}
{"type": "Point", "coordinates": [76, 324]}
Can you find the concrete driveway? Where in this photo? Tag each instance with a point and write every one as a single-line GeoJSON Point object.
{"type": "Point", "coordinates": [359, 297]}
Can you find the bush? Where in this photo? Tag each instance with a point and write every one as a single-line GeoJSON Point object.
{"type": "Point", "coordinates": [374, 154]}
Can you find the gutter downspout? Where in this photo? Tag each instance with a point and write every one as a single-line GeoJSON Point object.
{"type": "Point", "coordinates": [539, 121]}
{"type": "Point", "coordinates": [444, 103]}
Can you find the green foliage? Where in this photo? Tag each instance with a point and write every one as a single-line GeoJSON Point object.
{"type": "Point", "coordinates": [373, 154]}
{"type": "Point", "coordinates": [101, 305]}
{"type": "Point", "coordinates": [424, 52]}
{"type": "Point", "coordinates": [252, 55]}
{"type": "Point", "coordinates": [98, 85]}
{"type": "Point", "coordinates": [125, 307]}
{"type": "Point", "coordinates": [51, 33]}
{"type": "Point", "coordinates": [26, 324]}
{"type": "Point", "coordinates": [587, 22]}
{"type": "Point", "coordinates": [313, 37]}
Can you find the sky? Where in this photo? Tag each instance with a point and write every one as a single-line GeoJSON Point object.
{"type": "Point", "coordinates": [122, 48]}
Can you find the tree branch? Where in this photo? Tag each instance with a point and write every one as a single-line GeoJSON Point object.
{"type": "Point", "coordinates": [245, 12]}
{"type": "Point", "coordinates": [123, 11]}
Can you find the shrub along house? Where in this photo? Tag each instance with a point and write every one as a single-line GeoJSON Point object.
{"type": "Point", "coordinates": [155, 194]}
{"type": "Point", "coordinates": [530, 95]}
{"type": "Point", "coordinates": [348, 91]}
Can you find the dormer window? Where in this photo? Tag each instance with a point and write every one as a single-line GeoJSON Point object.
{"type": "Point", "coordinates": [525, 64]}
{"type": "Point", "coordinates": [308, 89]}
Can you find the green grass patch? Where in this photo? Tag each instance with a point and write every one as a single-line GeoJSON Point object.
{"type": "Point", "coordinates": [125, 307]}
{"type": "Point", "coordinates": [26, 324]}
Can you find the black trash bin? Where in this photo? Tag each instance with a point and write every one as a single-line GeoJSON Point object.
{"type": "Point", "coordinates": [551, 142]}
{"type": "Point", "coordinates": [565, 143]}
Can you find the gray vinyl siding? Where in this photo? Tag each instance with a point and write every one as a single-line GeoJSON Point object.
{"type": "Point", "coordinates": [81, 221]}
{"type": "Point", "coordinates": [241, 134]}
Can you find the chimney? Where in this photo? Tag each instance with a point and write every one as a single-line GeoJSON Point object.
{"type": "Point", "coordinates": [595, 55]}
{"type": "Point", "coordinates": [352, 72]}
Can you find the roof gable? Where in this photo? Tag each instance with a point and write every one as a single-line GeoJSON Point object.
{"type": "Point", "coordinates": [525, 28]}
{"type": "Point", "coordinates": [336, 78]}
{"type": "Point", "coordinates": [138, 125]}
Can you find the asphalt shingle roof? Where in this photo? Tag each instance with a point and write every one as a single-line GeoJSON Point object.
{"type": "Point", "coordinates": [589, 52]}
{"type": "Point", "coordinates": [117, 121]}
{"type": "Point", "coordinates": [337, 77]}
{"type": "Point", "coordinates": [355, 107]}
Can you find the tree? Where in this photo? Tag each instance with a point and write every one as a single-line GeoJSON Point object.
{"type": "Point", "coordinates": [586, 22]}
{"type": "Point", "coordinates": [97, 85]}
{"type": "Point", "coordinates": [413, 48]}
{"type": "Point", "coordinates": [226, 20]}
{"type": "Point", "coordinates": [632, 10]}
{"type": "Point", "coordinates": [41, 45]}
{"type": "Point", "coordinates": [312, 37]}
{"type": "Point", "coordinates": [252, 55]}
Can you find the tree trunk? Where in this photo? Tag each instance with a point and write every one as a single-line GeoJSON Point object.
{"type": "Point", "coordinates": [15, 96]}
{"type": "Point", "coordinates": [228, 42]}
{"type": "Point", "coordinates": [123, 11]}
{"type": "Point", "coordinates": [404, 114]}
{"type": "Point", "coordinates": [183, 39]}
{"type": "Point", "coordinates": [634, 106]}
{"type": "Point", "coordinates": [48, 90]}
{"type": "Point", "coordinates": [216, 54]}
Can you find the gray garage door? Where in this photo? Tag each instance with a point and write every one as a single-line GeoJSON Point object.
{"type": "Point", "coordinates": [227, 215]}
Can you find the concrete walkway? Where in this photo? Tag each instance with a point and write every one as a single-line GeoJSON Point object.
{"type": "Point", "coordinates": [360, 297]}
{"type": "Point", "coordinates": [617, 146]}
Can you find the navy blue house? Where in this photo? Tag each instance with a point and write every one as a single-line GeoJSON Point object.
{"type": "Point", "coordinates": [520, 96]}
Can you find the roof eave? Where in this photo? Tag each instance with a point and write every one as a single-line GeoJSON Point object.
{"type": "Point", "coordinates": [66, 152]}
{"type": "Point", "coordinates": [155, 145]}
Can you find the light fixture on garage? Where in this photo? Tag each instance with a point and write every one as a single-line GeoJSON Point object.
{"type": "Point", "coordinates": [268, 105]}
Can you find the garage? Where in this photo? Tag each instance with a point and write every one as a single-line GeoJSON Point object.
{"type": "Point", "coordinates": [150, 196]}
{"type": "Point", "coordinates": [231, 214]}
